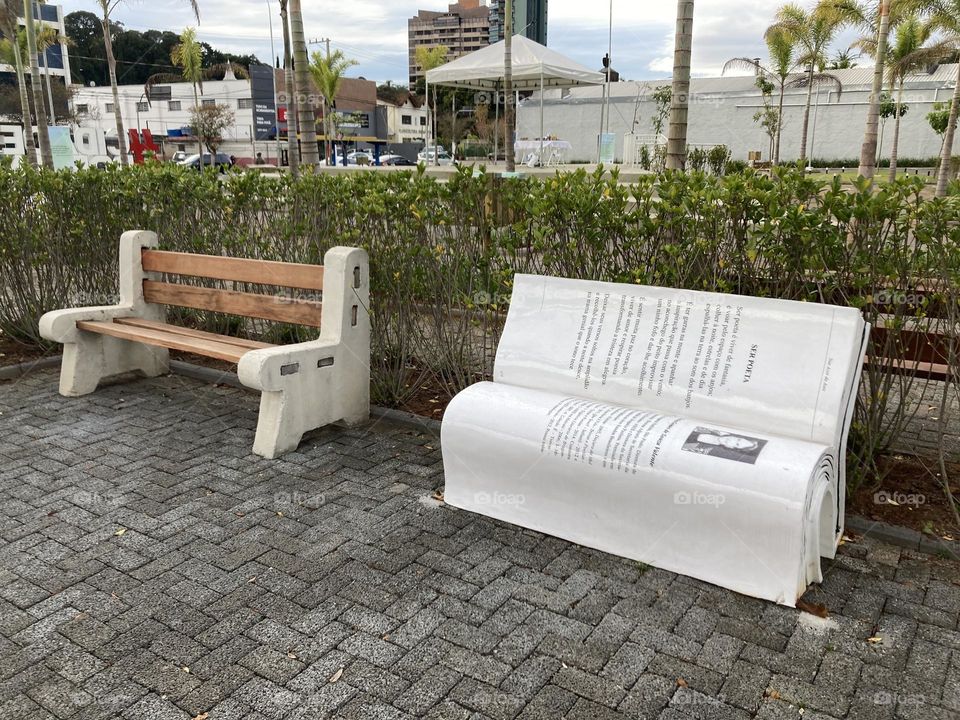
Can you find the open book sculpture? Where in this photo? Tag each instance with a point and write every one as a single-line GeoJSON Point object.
{"type": "Point", "coordinates": [697, 432]}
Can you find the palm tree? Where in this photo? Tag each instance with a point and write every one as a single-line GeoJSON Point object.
{"type": "Point", "coordinates": [293, 146]}
{"type": "Point", "coordinates": [106, 10]}
{"type": "Point", "coordinates": [46, 155]}
{"type": "Point", "coordinates": [906, 55]}
{"type": "Point", "coordinates": [843, 60]}
{"type": "Point", "coordinates": [682, 44]}
{"type": "Point", "coordinates": [877, 18]}
{"type": "Point", "coordinates": [188, 56]}
{"type": "Point", "coordinates": [813, 32]}
{"type": "Point", "coordinates": [9, 28]}
{"type": "Point", "coordinates": [327, 72]}
{"type": "Point", "coordinates": [945, 17]}
{"type": "Point", "coordinates": [306, 116]}
{"type": "Point", "coordinates": [781, 46]}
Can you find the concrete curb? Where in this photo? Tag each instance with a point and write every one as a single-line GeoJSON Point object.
{"type": "Point", "coordinates": [13, 372]}
{"type": "Point", "coordinates": [890, 534]}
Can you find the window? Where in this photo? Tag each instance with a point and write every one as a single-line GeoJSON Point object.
{"type": "Point", "coordinates": [423, 120]}
{"type": "Point", "coordinates": [109, 107]}
{"type": "Point", "coordinates": [143, 106]}
{"type": "Point", "coordinates": [83, 109]}
{"type": "Point", "coordinates": [406, 119]}
{"type": "Point", "coordinates": [173, 105]}
{"type": "Point", "coordinates": [245, 104]}
{"type": "Point", "coordinates": [208, 102]}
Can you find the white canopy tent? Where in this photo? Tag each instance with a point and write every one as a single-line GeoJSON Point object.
{"type": "Point", "coordinates": [535, 67]}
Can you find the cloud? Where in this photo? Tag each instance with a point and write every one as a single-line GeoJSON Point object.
{"type": "Point", "coordinates": [374, 32]}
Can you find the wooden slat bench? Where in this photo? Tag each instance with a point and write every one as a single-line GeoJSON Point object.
{"type": "Point", "coordinates": [303, 386]}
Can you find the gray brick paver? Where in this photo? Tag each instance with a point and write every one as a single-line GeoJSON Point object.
{"type": "Point", "coordinates": [241, 586]}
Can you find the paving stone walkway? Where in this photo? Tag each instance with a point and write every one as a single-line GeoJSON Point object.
{"type": "Point", "coordinates": [151, 568]}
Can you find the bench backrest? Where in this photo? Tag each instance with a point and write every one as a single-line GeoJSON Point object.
{"type": "Point", "coordinates": [297, 308]}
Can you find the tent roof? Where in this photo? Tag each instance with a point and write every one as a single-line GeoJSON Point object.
{"type": "Point", "coordinates": [531, 61]}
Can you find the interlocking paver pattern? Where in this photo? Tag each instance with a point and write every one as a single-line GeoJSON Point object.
{"type": "Point", "coordinates": [152, 568]}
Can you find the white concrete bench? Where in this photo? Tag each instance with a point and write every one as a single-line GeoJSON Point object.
{"type": "Point", "coordinates": [303, 386]}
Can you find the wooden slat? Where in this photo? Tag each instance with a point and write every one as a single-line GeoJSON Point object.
{"type": "Point", "coordinates": [280, 309]}
{"type": "Point", "coordinates": [218, 267]}
{"type": "Point", "coordinates": [190, 332]}
{"type": "Point", "coordinates": [927, 370]}
{"type": "Point", "coordinates": [174, 341]}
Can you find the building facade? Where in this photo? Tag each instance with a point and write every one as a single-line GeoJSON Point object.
{"type": "Point", "coordinates": [55, 60]}
{"type": "Point", "coordinates": [529, 20]}
{"type": "Point", "coordinates": [462, 29]}
{"type": "Point", "coordinates": [722, 111]}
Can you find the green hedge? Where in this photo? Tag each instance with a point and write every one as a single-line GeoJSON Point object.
{"type": "Point", "coordinates": [443, 254]}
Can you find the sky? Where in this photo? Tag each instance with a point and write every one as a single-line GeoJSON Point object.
{"type": "Point", "coordinates": [374, 32]}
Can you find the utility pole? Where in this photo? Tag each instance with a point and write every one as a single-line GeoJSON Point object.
{"type": "Point", "coordinates": [508, 83]}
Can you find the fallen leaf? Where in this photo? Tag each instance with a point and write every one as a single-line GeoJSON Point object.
{"type": "Point", "coordinates": [279, 514]}
{"type": "Point", "coordinates": [202, 716]}
{"type": "Point", "coordinates": [239, 514]}
{"type": "Point", "coordinates": [252, 579]}
{"type": "Point", "coordinates": [813, 608]}
{"type": "Point", "coordinates": [875, 640]}
{"type": "Point", "coordinates": [52, 513]}
{"type": "Point", "coordinates": [121, 531]}
{"type": "Point", "coordinates": [682, 683]}
{"type": "Point", "coordinates": [337, 675]}
{"type": "Point", "coordinates": [437, 495]}
{"type": "Point", "coordinates": [185, 669]}
{"type": "Point", "coordinates": [291, 655]}
{"type": "Point", "coordinates": [772, 694]}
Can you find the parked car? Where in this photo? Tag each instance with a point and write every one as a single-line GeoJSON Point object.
{"type": "Point", "coordinates": [179, 156]}
{"type": "Point", "coordinates": [360, 157]}
{"type": "Point", "coordinates": [221, 161]}
{"type": "Point", "coordinates": [429, 156]}
{"type": "Point", "coordinates": [396, 160]}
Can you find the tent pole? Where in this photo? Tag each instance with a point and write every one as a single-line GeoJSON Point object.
{"type": "Point", "coordinates": [426, 142]}
{"type": "Point", "coordinates": [541, 115]}
{"type": "Point", "coordinates": [496, 123]}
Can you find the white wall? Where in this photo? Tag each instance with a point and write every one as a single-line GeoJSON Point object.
{"type": "Point", "coordinates": [722, 109]}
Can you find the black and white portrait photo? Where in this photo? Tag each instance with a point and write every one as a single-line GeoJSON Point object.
{"type": "Point", "coordinates": [723, 444]}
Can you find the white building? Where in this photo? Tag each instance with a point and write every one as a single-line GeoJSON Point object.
{"type": "Point", "coordinates": [55, 62]}
{"type": "Point", "coordinates": [722, 112]}
{"type": "Point", "coordinates": [406, 122]}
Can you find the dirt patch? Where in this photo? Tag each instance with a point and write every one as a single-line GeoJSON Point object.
{"type": "Point", "coordinates": [14, 352]}
{"type": "Point", "coordinates": [910, 495]}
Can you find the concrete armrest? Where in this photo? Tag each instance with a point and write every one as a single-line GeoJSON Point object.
{"type": "Point", "coordinates": [61, 325]}
{"type": "Point", "coordinates": [272, 369]}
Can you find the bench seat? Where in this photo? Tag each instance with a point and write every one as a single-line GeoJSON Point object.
{"type": "Point", "coordinates": [175, 337]}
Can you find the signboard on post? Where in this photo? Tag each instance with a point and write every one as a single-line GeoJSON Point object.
{"type": "Point", "coordinates": [264, 102]}
{"type": "Point", "coordinates": [61, 147]}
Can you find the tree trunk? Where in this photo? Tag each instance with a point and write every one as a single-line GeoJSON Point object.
{"type": "Point", "coordinates": [31, 147]}
{"type": "Point", "coordinates": [293, 150]}
{"type": "Point", "coordinates": [509, 110]}
{"type": "Point", "coordinates": [868, 151]}
{"type": "Point", "coordinates": [776, 146]}
{"type": "Point", "coordinates": [306, 116]}
{"type": "Point", "coordinates": [43, 133]}
{"type": "Point", "coordinates": [896, 134]}
{"type": "Point", "coordinates": [943, 177]}
{"type": "Point", "coordinates": [683, 42]}
{"type": "Point", "coordinates": [118, 116]}
{"type": "Point", "coordinates": [806, 116]}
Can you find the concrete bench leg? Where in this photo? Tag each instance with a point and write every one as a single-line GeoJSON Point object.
{"type": "Point", "coordinates": [92, 358]}
{"type": "Point", "coordinates": [286, 415]}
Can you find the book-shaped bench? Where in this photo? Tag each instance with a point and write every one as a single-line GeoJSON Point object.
{"type": "Point", "coordinates": [303, 385]}
{"type": "Point", "coordinates": [697, 432]}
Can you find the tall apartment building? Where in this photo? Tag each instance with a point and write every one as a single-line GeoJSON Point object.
{"type": "Point", "coordinates": [55, 60]}
{"type": "Point", "coordinates": [529, 20]}
{"type": "Point", "coordinates": [463, 28]}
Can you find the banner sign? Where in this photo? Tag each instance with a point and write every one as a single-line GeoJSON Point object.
{"type": "Point", "coordinates": [61, 146]}
{"type": "Point", "coordinates": [608, 144]}
{"type": "Point", "coordinates": [264, 102]}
